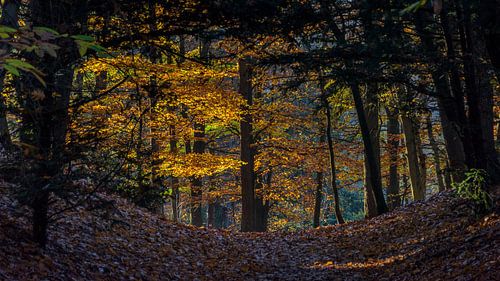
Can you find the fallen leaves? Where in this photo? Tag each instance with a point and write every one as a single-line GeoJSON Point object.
{"type": "Point", "coordinates": [433, 240]}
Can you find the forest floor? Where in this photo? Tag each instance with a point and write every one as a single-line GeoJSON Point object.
{"type": "Point", "coordinates": [437, 239]}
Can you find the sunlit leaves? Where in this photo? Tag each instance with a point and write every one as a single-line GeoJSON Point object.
{"type": "Point", "coordinates": [198, 165]}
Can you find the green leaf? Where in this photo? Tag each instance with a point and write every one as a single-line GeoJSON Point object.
{"type": "Point", "coordinates": [20, 64]}
{"type": "Point", "coordinates": [12, 69]}
{"type": "Point", "coordinates": [45, 29]}
{"type": "Point", "coordinates": [85, 38]}
{"type": "Point", "coordinates": [7, 29]}
{"type": "Point", "coordinates": [413, 7]}
{"type": "Point", "coordinates": [82, 47]}
{"type": "Point", "coordinates": [97, 48]}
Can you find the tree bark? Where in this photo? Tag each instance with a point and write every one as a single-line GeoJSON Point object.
{"type": "Point", "coordinates": [479, 159]}
{"type": "Point", "coordinates": [436, 154]}
{"type": "Point", "coordinates": [199, 148]}
{"type": "Point", "coordinates": [174, 181]}
{"type": "Point", "coordinates": [47, 127]}
{"type": "Point", "coordinates": [331, 153]}
{"type": "Point", "coordinates": [393, 133]}
{"type": "Point", "coordinates": [261, 205]}
{"type": "Point", "coordinates": [370, 152]}
{"type": "Point", "coordinates": [248, 208]}
{"type": "Point", "coordinates": [317, 199]}
{"type": "Point", "coordinates": [197, 183]}
{"type": "Point", "coordinates": [416, 163]}
{"type": "Point", "coordinates": [372, 119]}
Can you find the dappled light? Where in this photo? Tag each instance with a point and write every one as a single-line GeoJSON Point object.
{"type": "Point", "coordinates": [249, 140]}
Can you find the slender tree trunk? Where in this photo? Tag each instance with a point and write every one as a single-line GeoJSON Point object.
{"type": "Point", "coordinates": [151, 195]}
{"type": "Point", "coordinates": [318, 198]}
{"type": "Point", "coordinates": [199, 148]}
{"type": "Point", "coordinates": [479, 159]}
{"type": "Point", "coordinates": [174, 181]}
{"type": "Point", "coordinates": [248, 209]}
{"type": "Point", "coordinates": [376, 177]}
{"type": "Point", "coordinates": [372, 119]}
{"type": "Point", "coordinates": [197, 183]}
{"type": "Point", "coordinates": [413, 149]}
{"type": "Point", "coordinates": [436, 154]}
{"type": "Point", "coordinates": [261, 205]}
{"type": "Point", "coordinates": [447, 176]}
{"type": "Point", "coordinates": [331, 153]}
{"type": "Point", "coordinates": [393, 133]}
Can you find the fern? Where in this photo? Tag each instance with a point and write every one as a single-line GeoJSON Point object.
{"type": "Point", "coordinates": [473, 187]}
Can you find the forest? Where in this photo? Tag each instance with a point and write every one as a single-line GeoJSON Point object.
{"type": "Point", "coordinates": [249, 140]}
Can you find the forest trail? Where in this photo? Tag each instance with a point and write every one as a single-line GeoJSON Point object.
{"type": "Point", "coordinates": [422, 241]}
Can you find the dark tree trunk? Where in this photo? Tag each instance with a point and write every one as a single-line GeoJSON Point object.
{"type": "Point", "coordinates": [263, 205]}
{"type": "Point", "coordinates": [370, 152]}
{"type": "Point", "coordinates": [372, 118]}
{"type": "Point", "coordinates": [248, 209]}
{"type": "Point", "coordinates": [47, 129]}
{"type": "Point", "coordinates": [479, 159]}
{"type": "Point", "coordinates": [174, 182]}
{"type": "Point", "coordinates": [199, 148]}
{"type": "Point", "coordinates": [318, 199]}
{"type": "Point", "coordinates": [416, 161]}
{"type": "Point", "coordinates": [393, 133]}
{"type": "Point", "coordinates": [451, 110]}
{"type": "Point", "coordinates": [331, 153]}
{"type": "Point", "coordinates": [197, 183]}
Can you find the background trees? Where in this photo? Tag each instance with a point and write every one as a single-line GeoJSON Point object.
{"type": "Point", "coordinates": [205, 110]}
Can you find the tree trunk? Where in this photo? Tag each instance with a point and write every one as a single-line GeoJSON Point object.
{"type": "Point", "coordinates": [416, 165]}
{"type": "Point", "coordinates": [174, 182]}
{"type": "Point", "coordinates": [393, 133]}
{"type": "Point", "coordinates": [376, 178]}
{"type": "Point", "coordinates": [436, 154]}
{"type": "Point", "coordinates": [370, 152]}
{"type": "Point", "coordinates": [331, 152]}
{"type": "Point", "coordinates": [197, 183]}
{"type": "Point", "coordinates": [451, 113]}
{"type": "Point", "coordinates": [479, 159]}
{"type": "Point", "coordinates": [47, 128]}
{"type": "Point", "coordinates": [261, 205]}
{"type": "Point", "coordinates": [486, 105]}
{"type": "Point", "coordinates": [199, 148]}
{"type": "Point", "coordinates": [318, 199]}
{"type": "Point", "coordinates": [372, 116]}
{"type": "Point", "coordinates": [248, 208]}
